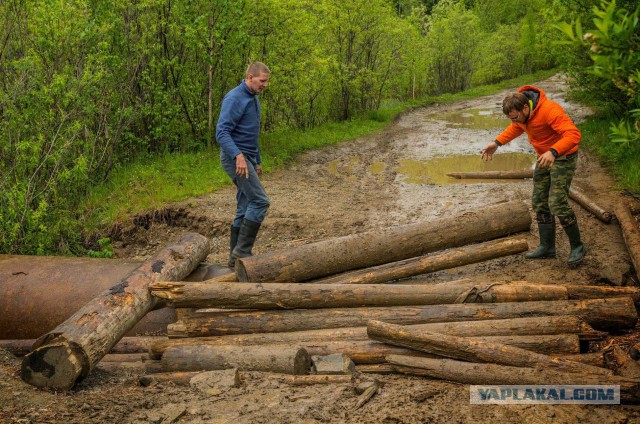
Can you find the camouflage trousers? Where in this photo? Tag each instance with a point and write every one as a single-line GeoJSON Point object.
{"type": "Point", "coordinates": [551, 190]}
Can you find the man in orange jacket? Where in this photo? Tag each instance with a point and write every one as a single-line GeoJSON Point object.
{"type": "Point", "coordinates": [555, 139]}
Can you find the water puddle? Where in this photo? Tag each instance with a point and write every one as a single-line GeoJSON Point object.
{"type": "Point", "coordinates": [434, 171]}
{"type": "Point", "coordinates": [477, 119]}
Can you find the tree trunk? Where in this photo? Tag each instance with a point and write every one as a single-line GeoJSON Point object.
{"type": "Point", "coordinates": [603, 292]}
{"type": "Point", "coordinates": [630, 232]}
{"type": "Point", "coordinates": [596, 359]}
{"type": "Point", "coordinates": [177, 378]}
{"type": "Point", "coordinates": [425, 264]}
{"type": "Point", "coordinates": [471, 350]}
{"type": "Point", "coordinates": [371, 352]}
{"type": "Point", "coordinates": [492, 374]}
{"type": "Point", "coordinates": [72, 349]}
{"type": "Point", "coordinates": [494, 175]}
{"type": "Point", "coordinates": [138, 367]}
{"type": "Point", "coordinates": [625, 366]}
{"type": "Point", "coordinates": [310, 380]}
{"type": "Point", "coordinates": [274, 358]}
{"type": "Point", "coordinates": [140, 344]}
{"type": "Point", "coordinates": [386, 245]}
{"type": "Point", "coordinates": [500, 327]}
{"type": "Point", "coordinates": [575, 193]}
{"type": "Point", "coordinates": [589, 205]}
{"type": "Point", "coordinates": [318, 296]}
{"type": "Point", "coordinates": [602, 314]}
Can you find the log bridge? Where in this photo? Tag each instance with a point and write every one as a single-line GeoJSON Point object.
{"type": "Point", "coordinates": [294, 304]}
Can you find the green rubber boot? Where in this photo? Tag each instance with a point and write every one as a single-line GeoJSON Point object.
{"type": "Point", "coordinates": [576, 255]}
{"type": "Point", "coordinates": [547, 248]}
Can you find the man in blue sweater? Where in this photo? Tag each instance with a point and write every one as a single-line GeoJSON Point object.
{"type": "Point", "coordinates": [237, 133]}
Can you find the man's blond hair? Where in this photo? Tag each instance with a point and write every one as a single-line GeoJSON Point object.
{"type": "Point", "coordinates": [256, 68]}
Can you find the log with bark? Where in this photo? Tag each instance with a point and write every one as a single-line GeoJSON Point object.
{"type": "Point", "coordinates": [70, 351]}
{"type": "Point", "coordinates": [177, 378]}
{"type": "Point", "coordinates": [318, 296]}
{"type": "Point", "coordinates": [137, 367]}
{"type": "Point", "coordinates": [624, 364]}
{"type": "Point", "coordinates": [575, 193]}
{"type": "Point", "coordinates": [372, 248]}
{"type": "Point", "coordinates": [310, 380]}
{"type": "Point", "coordinates": [520, 174]}
{"type": "Point", "coordinates": [630, 233]}
{"type": "Point", "coordinates": [602, 314]}
{"type": "Point", "coordinates": [578, 196]}
{"type": "Point", "coordinates": [463, 348]}
{"type": "Point", "coordinates": [431, 263]}
{"type": "Point", "coordinates": [492, 374]}
{"type": "Point", "coordinates": [371, 352]}
{"type": "Point", "coordinates": [282, 359]}
{"type": "Point", "coordinates": [140, 344]}
{"type": "Point", "coordinates": [545, 325]}
{"type": "Point", "coordinates": [603, 292]}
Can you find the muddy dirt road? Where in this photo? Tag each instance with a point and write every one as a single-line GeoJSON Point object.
{"type": "Point", "coordinates": [390, 178]}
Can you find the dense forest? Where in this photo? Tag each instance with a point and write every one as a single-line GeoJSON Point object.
{"type": "Point", "coordinates": [88, 86]}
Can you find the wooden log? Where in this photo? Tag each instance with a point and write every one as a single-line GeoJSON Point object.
{"type": "Point", "coordinates": [587, 203]}
{"type": "Point", "coordinates": [138, 367]}
{"type": "Point", "coordinates": [630, 233]}
{"type": "Point", "coordinates": [226, 278]}
{"type": "Point", "coordinates": [602, 314]}
{"type": "Point", "coordinates": [19, 347]}
{"type": "Point", "coordinates": [634, 352]}
{"type": "Point", "coordinates": [274, 358]}
{"type": "Point", "coordinates": [177, 378]}
{"type": "Point", "coordinates": [520, 174]}
{"type": "Point", "coordinates": [603, 292]}
{"type": "Point", "coordinates": [317, 296]}
{"type": "Point", "coordinates": [69, 352]}
{"type": "Point", "coordinates": [575, 193]}
{"type": "Point", "coordinates": [139, 344]}
{"type": "Point", "coordinates": [372, 248]}
{"type": "Point", "coordinates": [594, 358]}
{"type": "Point", "coordinates": [376, 368]}
{"type": "Point", "coordinates": [310, 380]}
{"type": "Point", "coordinates": [431, 263]}
{"type": "Point", "coordinates": [371, 352]}
{"type": "Point", "coordinates": [624, 365]}
{"type": "Point", "coordinates": [125, 357]}
{"type": "Point", "coordinates": [471, 350]}
{"type": "Point", "coordinates": [492, 374]}
{"type": "Point", "coordinates": [545, 325]}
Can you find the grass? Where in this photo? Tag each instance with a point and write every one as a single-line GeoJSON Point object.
{"type": "Point", "coordinates": [622, 160]}
{"type": "Point", "coordinates": [151, 183]}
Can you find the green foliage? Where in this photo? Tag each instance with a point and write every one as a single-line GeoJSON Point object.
{"type": "Point", "coordinates": [92, 90]}
{"type": "Point", "coordinates": [620, 158]}
{"type": "Point", "coordinates": [106, 249]}
{"type": "Point", "coordinates": [614, 52]}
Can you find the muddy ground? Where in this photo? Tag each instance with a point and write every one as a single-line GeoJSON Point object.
{"type": "Point", "coordinates": [389, 178]}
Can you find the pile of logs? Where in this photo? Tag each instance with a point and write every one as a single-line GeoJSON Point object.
{"type": "Point", "coordinates": [325, 300]}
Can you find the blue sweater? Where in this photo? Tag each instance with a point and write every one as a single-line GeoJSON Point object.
{"type": "Point", "coordinates": [239, 123]}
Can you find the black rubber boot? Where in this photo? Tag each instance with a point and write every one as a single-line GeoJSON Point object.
{"type": "Point", "coordinates": [246, 239]}
{"type": "Point", "coordinates": [235, 231]}
{"type": "Point", "coordinates": [577, 248]}
{"type": "Point", "coordinates": [547, 248]}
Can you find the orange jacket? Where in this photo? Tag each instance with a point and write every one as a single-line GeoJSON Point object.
{"type": "Point", "coordinates": [548, 127]}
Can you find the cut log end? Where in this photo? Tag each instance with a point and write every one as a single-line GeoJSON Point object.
{"type": "Point", "coordinates": [58, 366]}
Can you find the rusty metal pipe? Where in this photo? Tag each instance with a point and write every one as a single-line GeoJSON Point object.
{"type": "Point", "coordinates": [37, 293]}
